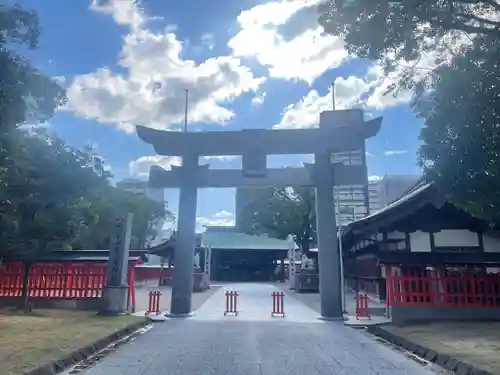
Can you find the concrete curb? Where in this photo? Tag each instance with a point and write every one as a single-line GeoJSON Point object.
{"type": "Point", "coordinates": [444, 360]}
{"type": "Point", "coordinates": [82, 354]}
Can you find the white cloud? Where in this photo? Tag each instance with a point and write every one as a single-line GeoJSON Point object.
{"type": "Point", "coordinates": [394, 152]}
{"type": "Point", "coordinates": [368, 154]}
{"type": "Point", "coordinates": [124, 12]}
{"type": "Point", "coordinates": [151, 91]}
{"type": "Point", "coordinates": [208, 41]}
{"type": "Point", "coordinates": [140, 167]}
{"type": "Point", "coordinates": [374, 178]}
{"type": "Point", "coordinates": [370, 90]}
{"type": "Point", "coordinates": [258, 99]}
{"type": "Point", "coordinates": [305, 114]}
{"type": "Point", "coordinates": [212, 221]}
{"type": "Point", "coordinates": [59, 79]}
{"type": "Point", "coordinates": [219, 157]}
{"type": "Point", "coordinates": [284, 35]}
{"type": "Point", "coordinates": [224, 214]}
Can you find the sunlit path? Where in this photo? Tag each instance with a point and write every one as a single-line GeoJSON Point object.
{"type": "Point", "coordinates": [255, 304]}
{"type": "Point", "coordinates": [254, 343]}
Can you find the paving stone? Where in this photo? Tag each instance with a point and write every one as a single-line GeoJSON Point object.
{"type": "Point", "coordinates": [255, 344]}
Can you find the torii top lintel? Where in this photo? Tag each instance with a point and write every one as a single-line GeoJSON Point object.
{"type": "Point", "coordinates": [335, 137]}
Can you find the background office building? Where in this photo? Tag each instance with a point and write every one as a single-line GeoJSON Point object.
{"type": "Point", "coordinates": [352, 202]}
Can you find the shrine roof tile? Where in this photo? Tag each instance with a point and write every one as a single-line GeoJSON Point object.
{"type": "Point", "coordinates": [242, 241]}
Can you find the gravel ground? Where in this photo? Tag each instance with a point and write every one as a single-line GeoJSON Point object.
{"type": "Point", "coordinates": [254, 344]}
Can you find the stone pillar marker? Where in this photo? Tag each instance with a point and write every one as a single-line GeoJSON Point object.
{"type": "Point", "coordinates": [208, 261]}
{"type": "Point", "coordinates": [328, 254]}
{"type": "Point", "coordinates": [115, 294]}
{"type": "Point", "coordinates": [291, 263]}
{"type": "Point", "coordinates": [182, 286]}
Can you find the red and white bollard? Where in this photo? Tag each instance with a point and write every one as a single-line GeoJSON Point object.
{"type": "Point", "coordinates": [231, 303]}
{"type": "Point", "coordinates": [278, 304]}
{"type": "Point", "coordinates": [362, 306]}
{"type": "Point", "coordinates": [154, 303]}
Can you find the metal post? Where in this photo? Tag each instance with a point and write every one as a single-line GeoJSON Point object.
{"type": "Point", "coordinates": [186, 111]}
{"type": "Point", "coordinates": [339, 230]}
{"type": "Point", "coordinates": [333, 95]}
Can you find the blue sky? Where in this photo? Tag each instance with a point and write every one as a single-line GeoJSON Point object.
{"type": "Point", "coordinates": [246, 63]}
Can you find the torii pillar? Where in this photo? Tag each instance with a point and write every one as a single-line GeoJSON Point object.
{"type": "Point", "coordinates": [328, 253]}
{"type": "Point", "coordinates": [180, 305]}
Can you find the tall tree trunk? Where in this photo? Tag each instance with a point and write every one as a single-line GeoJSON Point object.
{"type": "Point", "coordinates": [24, 292]}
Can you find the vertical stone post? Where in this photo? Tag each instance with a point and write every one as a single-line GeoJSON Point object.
{"type": "Point", "coordinates": [182, 286]}
{"type": "Point", "coordinates": [328, 254]}
{"type": "Point", "coordinates": [208, 261]}
{"type": "Point", "coordinates": [291, 268]}
{"type": "Point", "coordinates": [114, 298]}
{"type": "Point", "coordinates": [290, 254]}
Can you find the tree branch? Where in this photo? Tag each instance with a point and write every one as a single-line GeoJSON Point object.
{"type": "Point", "coordinates": [469, 17]}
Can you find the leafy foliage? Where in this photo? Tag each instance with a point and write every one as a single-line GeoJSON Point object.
{"type": "Point", "coordinates": [279, 213]}
{"type": "Point", "coordinates": [113, 202]}
{"type": "Point", "coordinates": [52, 196]}
{"type": "Point", "coordinates": [26, 94]}
{"type": "Point", "coordinates": [446, 52]}
{"type": "Point", "coordinates": [404, 34]}
{"type": "Point", "coordinates": [461, 135]}
{"type": "Point", "coordinates": [59, 197]}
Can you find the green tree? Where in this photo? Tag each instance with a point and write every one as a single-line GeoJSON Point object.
{"type": "Point", "coordinates": [403, 33]}
{"type": "Point", "coordinates": [461, 138]}
{"type": "Point", "coordinates": [47, 191]}
{"type": "Point", "coordinates": [446, 53]}
{"type": "Point", "coordinates": [279, 213]}
{"type": "Point", "coordinates": [112, 202]}
{"type": "Point", "coordinates": [26, 94]}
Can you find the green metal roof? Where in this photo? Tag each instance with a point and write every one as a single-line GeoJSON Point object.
{"type": "Point", "coordinates": [242, 241]}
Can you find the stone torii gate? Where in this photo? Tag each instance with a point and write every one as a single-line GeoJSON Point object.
{"type": "Point", "coordinates": [339, 131]}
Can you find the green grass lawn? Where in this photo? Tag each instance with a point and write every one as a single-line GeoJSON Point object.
{"type": "Point", "coordinates": [30, 340]}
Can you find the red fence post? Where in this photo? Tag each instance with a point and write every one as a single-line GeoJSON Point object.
{"type": "Point", "coordinates": [231, 302]}
{"type": "Point", "coordinates": [362, 306]}
{"type": "Point", "coordinates": [154, 302]}
{"type": "Point", "coordinates": [278, 304]}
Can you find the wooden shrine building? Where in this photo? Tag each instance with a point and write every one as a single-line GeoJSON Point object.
{"type": "Point", "coordinates": [235, 256]}
{"type": "Point", "coordinates": [426, 258]}
{"type": "Point", "coordinates": [222, 254]}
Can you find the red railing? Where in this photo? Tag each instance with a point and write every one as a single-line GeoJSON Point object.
{"type": "Point", "coordinates": [63, 281]}
{"type": "Point", "coordinates": [231, 307]}
{"type": "Point", "coordinates": [11, 279]}
{"type": "Point", "coordinates": [457, 290]}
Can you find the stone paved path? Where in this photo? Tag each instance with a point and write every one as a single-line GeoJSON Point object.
{"type": "Point", "coordinates": [253, 343]}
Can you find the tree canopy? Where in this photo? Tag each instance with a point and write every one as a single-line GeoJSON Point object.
{"type": "Point", "coordinates": [461, 136]}
{"type": "Point", "coordinates": [403, 34]}
{"type": "Point", "coordinates": [52, 196]}
{"type": "Point", "coordinates": [446, 53]}
{"type": "Point", "coordinates": [279, 213]}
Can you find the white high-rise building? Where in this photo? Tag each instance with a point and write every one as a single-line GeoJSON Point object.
{"type": "Point", "coordinates": [140, 187]}
{"type": "Point", "coordinates": [389, 188]}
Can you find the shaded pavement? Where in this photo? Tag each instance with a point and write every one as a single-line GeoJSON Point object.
{"type": "Point", "coordinates": [253, 343]}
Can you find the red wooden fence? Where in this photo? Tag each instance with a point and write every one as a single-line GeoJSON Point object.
{"type": "Point", "coordinates": [457, 290]}
{"type": "Point", "coordinates": [57, 281]}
